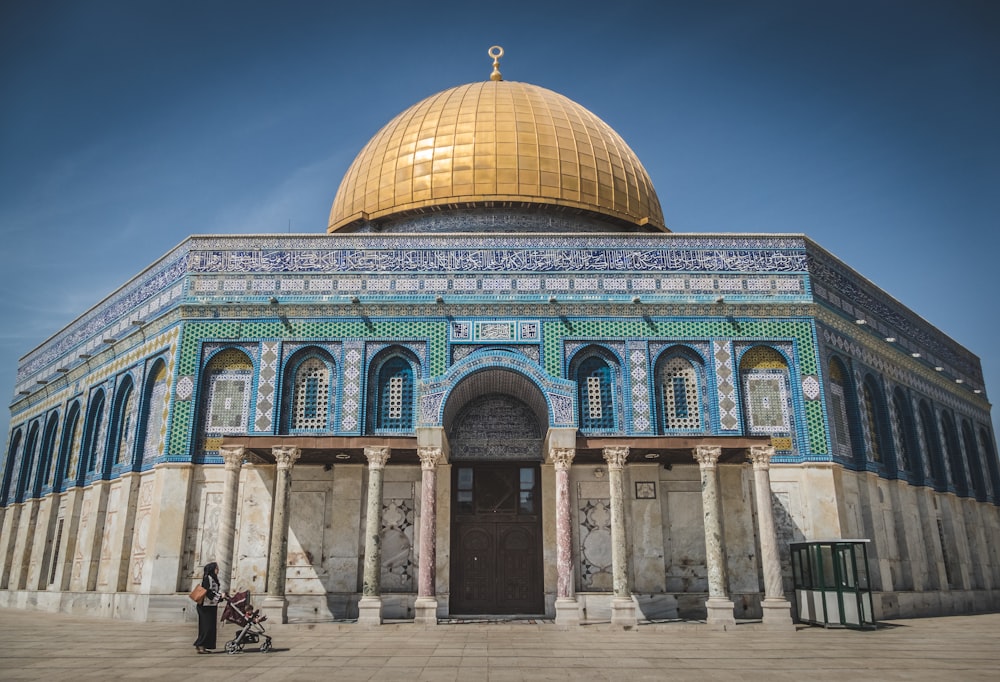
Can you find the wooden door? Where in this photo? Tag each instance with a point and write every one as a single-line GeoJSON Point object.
{"type": "Point", "coordinates": [496, 558]}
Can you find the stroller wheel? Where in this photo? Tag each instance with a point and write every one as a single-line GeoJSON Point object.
{"type": "Point", "coordinates": [232, 647]}
{"type": "Point", "coordinates": [265, 646]}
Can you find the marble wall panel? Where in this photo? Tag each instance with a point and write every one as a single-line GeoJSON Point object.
{"type": "Point", "coordinates": [739, 536]}
{"type": "Point", "coordinates": [253, 528]}
{"type": "Point", "coordinates": [346, 548]}
{"type": "Point", "coordinates": [141, 532]}
{"type": "Point", "coordinates": [399, 519]}
{"type": "Point", "coordinates": [308, 527]}
{"type": "Point", "coordinates": [645, 524]}
{"type": "Point", "coordinates": [172, 495]}
{"type": "Point", "coordinates": [684, 530]}
{"type": "Point", "coordinates": [593, 531]}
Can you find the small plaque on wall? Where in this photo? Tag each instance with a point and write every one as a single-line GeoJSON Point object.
{"type": "Point", "coordinates": [645, 490]}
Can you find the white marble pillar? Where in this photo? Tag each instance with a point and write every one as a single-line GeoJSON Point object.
{"type": "Point", "coordinates": [370, 606]}
{"type": "Point", "coordinates": [233, 456]}
{"type": "Point", "coordinates": [777, 610]}
{"type": "Point", "coordinates": [719, 606]}
{"type": "Point", "coordinates": [275, 606]}
{"type": "Point", "coordinates": [567, 608]}
{"type": "Point", "coordinates": [622, 607]}
{"type": "Point", "coordinates": [425, 607]}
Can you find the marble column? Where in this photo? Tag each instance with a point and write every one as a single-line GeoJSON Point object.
{"type": "Point", "coordinates": [275, 606]}
{"type": "Point", "coordinates": [622, 607]}
{"type": "Point", "coordinates": [567, 608]}
{"type": "Point", "coordinates": [719, 606]}
{"type": "Point", "coordinates": [777, 609]}
{"type": "Point", "coordinates": [425, 607]}
{"type": "Point", "coordinates": [370, 606]}
{"type": "Point", "coordinates": [233, 456]}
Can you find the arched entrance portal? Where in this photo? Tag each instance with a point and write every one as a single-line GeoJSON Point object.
{"type": "Point", "coordinates": [496, 514]}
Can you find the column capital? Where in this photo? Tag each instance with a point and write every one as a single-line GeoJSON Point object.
{"type": "Point", "coordinates": [429, 457]}
{"type": "Point", "coordinates": [615, 456]}
{"type": "Point", "coordinates": [377, 456]}
{"type": "Point", "coordinates": [562, 458]}
{"type": "Point", "coordinates": [761, 456]}
{"type": "Point", "coordinates": [285, 456]}
{"type": "Point", "coordinates": [707, 455]}
{"type": "Point", "coordinates": [233, 455]}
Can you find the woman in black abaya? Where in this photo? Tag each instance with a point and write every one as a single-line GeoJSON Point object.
{"type": "Point", "coordinates": [207, 609]}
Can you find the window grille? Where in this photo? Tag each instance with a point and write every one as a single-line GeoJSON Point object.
{"type": "Point", "coordinates": [680, 404]}
{"type": "Point", "coordinates": [595, 395]}
{"type": "Point", "coordinates": [312, 395]}
{"type": "Point", "coordinates": [395, 395]}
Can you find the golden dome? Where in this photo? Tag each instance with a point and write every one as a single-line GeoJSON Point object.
{"type": "Point", "coordinates": [495, 143]}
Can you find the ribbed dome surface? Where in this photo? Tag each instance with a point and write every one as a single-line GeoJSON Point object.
{"type": "Point", "coordinates": [495, 143]}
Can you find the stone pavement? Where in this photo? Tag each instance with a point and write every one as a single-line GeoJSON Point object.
{"type": "Point", "coordinates": [43, 646]}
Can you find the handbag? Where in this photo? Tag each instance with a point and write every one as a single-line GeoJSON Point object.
{"type": "Point", "coordinates": [198, 594]}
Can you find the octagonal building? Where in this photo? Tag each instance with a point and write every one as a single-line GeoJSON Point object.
{"type": "Point", "coordinates": [497, 385]}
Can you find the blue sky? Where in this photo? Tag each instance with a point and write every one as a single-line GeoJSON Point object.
{"type": "Point", "coordinates": [872, 126]}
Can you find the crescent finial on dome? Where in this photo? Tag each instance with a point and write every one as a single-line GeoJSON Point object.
{"type": "Point", "coordinates": [496, 52]}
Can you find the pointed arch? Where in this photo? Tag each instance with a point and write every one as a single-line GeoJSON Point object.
{"type": "Point", "coordinates": [992, 465]}
{"type": "Point", "coordinates": [679, 381]}
{"type": "Point", "coordinates": [93, 440]}
{"type": "Point", "coordinates": [307, 387]}
{"type": "Point", "coordinates": [391, 403]}
{"type": "Point", "coordinates": [932, 441]}
{"type": "Point", "coordinates": [153, 415]}
{"type": "Point", "coordinates": [974, 461]}
{"type": "Point", "coordinates": [46, 453]}
{"type": "Point", "coordinates": [767, 401]}
{"type": "Point", "coordinates": [595, 371]}
{"type": "Point", "coordinates": [842, 403]}
{"type": "Point", "coordinates": [905, 436]}
{"type": "Point", "coordinates": [953, 450]}
{"type": "Point", "coordinates": [68, 447]}
{"type": "Point", "coordinates": [225, 395]}
{"type": "Point", "coordinates": [122, 434]}
{"type": "Point", "coordinates": [27, 462]}
{"type": "Point", "coordinates": [11, 463]}
{"type": "Point", "coordinates": [876, 421]}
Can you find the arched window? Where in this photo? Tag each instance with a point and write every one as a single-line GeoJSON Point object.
{"type": "Point", "coordinates": [991, 462]}
{"type": "Point", "coordinates": [12, 461]}
{"type": "Point", "coordinates": [391, 392]}
{"type": "Point", "coordinates": [27, 462]}
{"type": "Point", "coordinates": [766, 400]}
{"type": "Point", "coordinates": [974, 461]}
{"type": "Point", "coordinates": [678, 393]}
{"type": "Point", "coordinates": [595, 391]}
{"type": "Point", "coordinates": [69, 446]}
{"type": "Point", "coordinates": [932, 441]}
{"type": "Point", "coordinates": [122, 425]}
{"type": "Point", "coordinates": [840, 398]}
{"type": "Point", "coordinates": [153, 434]}
{"type": "Point", "coordinates": [45, 457]}
{"type": "Point", "coordinates": [307, 402]}
{"type": "Point", "coordinates": [954, 451]}
{"type": "Point", "coordinates": [225, 394]}
{"type": "Point", "coordinates": [904, 435]}
{"type": "Point", "coordinates": [93, 439]}
{"type": "Point", "coordinates": [875, 421]}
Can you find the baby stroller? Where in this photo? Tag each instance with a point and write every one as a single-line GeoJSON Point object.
{"type": "Point", "coordinates": [239, 612]}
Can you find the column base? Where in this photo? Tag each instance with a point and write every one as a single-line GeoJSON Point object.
{"type": "Point", "coordinates": [623, 613]}
{"type": "Point", "coordinates": [567, 612]}
{"type": "Point", "coordinates": [778, 614]}
{"type": "Point", "coordinates": [720, 613]}
{"type": "Point", "coordinates": [425, 611]}
{"type": "Point", "coordinates": [370, 611]}
{"type": "Point", "coordinates": [275, 608]}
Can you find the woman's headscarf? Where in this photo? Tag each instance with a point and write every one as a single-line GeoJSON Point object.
{"type": "Point", "coordinates": [211, 568]}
